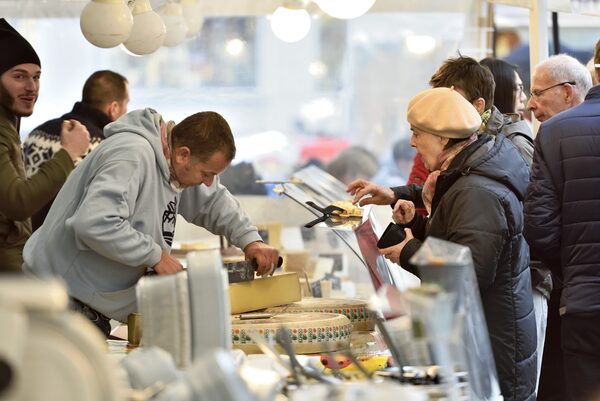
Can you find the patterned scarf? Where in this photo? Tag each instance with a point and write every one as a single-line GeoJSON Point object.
{"type": "Point", "coordinates": [485, 117]}
{"type": "Point", "coordinates": [444, 160]}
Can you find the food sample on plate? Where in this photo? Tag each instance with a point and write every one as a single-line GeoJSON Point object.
{"type": "Point", "coordinates": [350, 209]}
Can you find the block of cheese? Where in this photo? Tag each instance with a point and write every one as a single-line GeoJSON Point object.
{"type": "Point", "coordinates": [354, 309]}
{"type": "Point", "coordinates": [264, 292]}
{"type": "Point", "coordinates": [311, 332]}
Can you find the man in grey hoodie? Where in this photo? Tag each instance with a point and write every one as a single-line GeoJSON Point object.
{"type": "Point", "coordinates": [115, 216]}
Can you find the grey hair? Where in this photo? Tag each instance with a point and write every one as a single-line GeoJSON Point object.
{"type": "Point", "coordinates": [564, 68]}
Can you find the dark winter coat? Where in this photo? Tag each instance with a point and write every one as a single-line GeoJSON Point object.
{"type": "Point", "coordinates": [562, 208]}
{"type": "Point", "coordinates": [478, 203]}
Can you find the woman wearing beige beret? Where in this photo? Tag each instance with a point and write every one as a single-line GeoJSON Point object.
{"type": "Point", "coordinates": [474, 197]}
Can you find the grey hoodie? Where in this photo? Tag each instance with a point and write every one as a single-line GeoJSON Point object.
{"type": "Point", "coordinates": [116, 214]}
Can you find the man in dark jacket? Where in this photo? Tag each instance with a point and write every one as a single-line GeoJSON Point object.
{"type": "Point", "coordinates": [473, 195]}
{"type": "Point", "coordinates": [20, 70]}
{"type": "Point", "coordinates": [562, 225]}
{"type": "Point", "coordinates": [557, 84]}
{"type": "Point", "coordinates": [104, 99]}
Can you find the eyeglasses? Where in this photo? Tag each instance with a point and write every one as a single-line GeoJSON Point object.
{"type": "Point", "coordinates": [540, 92]}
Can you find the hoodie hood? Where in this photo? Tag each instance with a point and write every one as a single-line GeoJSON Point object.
{"type": "Point", "coordinates": [498, 159]}
{"type": "Point", "coordinates": [145, 123]}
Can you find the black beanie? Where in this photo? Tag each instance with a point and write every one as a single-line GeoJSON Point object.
{"type": "Point", "coordinates": [14, 48]}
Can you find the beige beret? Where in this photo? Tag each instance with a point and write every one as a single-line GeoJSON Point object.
{"type": "Point", "coordinates": [443, 112]}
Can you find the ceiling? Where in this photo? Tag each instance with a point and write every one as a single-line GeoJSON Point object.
{"type": "Point", "coordinates": [72, 8]}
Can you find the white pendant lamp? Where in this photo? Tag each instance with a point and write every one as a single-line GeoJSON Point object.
{"type": "Point", "coordinates": [106, 23]}
{"type": "Point", "coordinates": [172, 15]}
{"type": "Point", "coordinates": [290, 23]}
{"type": "Point", "coordinates": [345, 9]}
{"type": "Point", "coordinates": [193, 16]}
{"type": "Point", "coordinates": [148, 32]}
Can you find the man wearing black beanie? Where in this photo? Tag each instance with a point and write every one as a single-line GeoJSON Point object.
{"type": "Point", "coordinates": [21, 197]}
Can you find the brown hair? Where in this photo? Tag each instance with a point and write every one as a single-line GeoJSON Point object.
{"type": "Point", "coordinates": [205, 133]}
{"type": "Point", "coordinates": [466, 74]}
{"type": "Point", "coordinates": [597, 54]}
{"type": "Point", "coordinates": [104, 87]}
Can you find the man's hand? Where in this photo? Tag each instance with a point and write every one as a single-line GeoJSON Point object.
{"type": "Point", "coordinates": [393, 252]}
{"type": "Point", "coordinates": [379, 195]}
{"type": "Point", "coordinates": [74, 138]}
{"type": "Point", "coordinates": [266, 257]}
{"type": "Point", "coordinates": [404, 212]}
{"type": "Point", "coordinates": [167, 264]}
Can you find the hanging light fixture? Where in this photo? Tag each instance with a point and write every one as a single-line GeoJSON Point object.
{"type": "Point", "coordinates": [172, 15]}
{"type": "Point", "coordinates": [106, 23]}
{"type": "Point", "coordinates": [193, 16]}
{"type": "Point", "coordinates": [420, 44]}
{"type": "Point", "coordinates": [148, 32]}
{"type": "Point", "coordinates": [290, 22]}
{"type": "Point", "coordinates": [345, 9]}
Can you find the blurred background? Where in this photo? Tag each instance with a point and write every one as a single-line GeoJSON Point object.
{"type": "Point", "coordinates": [344, 85]}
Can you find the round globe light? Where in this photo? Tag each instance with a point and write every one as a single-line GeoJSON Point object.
{"type": "Point", "coordinates": [148, 32]}
{"type": "Point", "coordinates": [193, 16]}
{"type": "Point", "coordinates": [172, 16]}
{"type": "Point", "coordinates": [420, 44]}
{"type": "Point", "coordinates": [345, 9]}
{"type": "Point", "coordinates": [106, 23]}
{"type": "Point", "coordinates": [290, 25]}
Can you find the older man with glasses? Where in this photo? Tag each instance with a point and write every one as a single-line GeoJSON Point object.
{"type": "Point", "coordinates": [557, 84]}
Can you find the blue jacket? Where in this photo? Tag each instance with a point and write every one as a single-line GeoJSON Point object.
{"type": "Point", "coordinates": [562, 207]}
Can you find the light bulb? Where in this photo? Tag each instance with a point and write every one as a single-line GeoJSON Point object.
{"type": "Point", "coordinates": [290, 25]}
{"type": "Point", "coordinates": [193, 16]}
{"type": "Point", "coordinates": [235, 47]}
{"type": "Point", "coordinates": [106, 23]}
{"type": "Point", "coordinates": [172, 16]}
{"type": "Point", "coordinates": [420, 44]}
{"type": "Point", "coordinates": [148, 32]}
{"type": "Point", "coordinates": [345, 9]}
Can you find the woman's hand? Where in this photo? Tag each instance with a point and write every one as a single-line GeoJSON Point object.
{"type": "Point", "coordinates": [393, 252]}
{"type": "Point", "coordinates": [404, 212]}
{"type": "Point", "coordinates": [378, 195]}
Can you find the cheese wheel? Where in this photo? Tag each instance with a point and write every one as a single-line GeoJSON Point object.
{"type": "Point", "coordinates": [311, 333]}
{"type": "Point", "coordinates": [354, 309]}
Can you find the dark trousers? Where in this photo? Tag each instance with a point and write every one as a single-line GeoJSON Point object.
{"type": "Point", "coordinates": [581, 355]}
{"type": "Point", "coordinates": [98, 319]}
{"type": "Point", "coordinates": [552, 380]}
